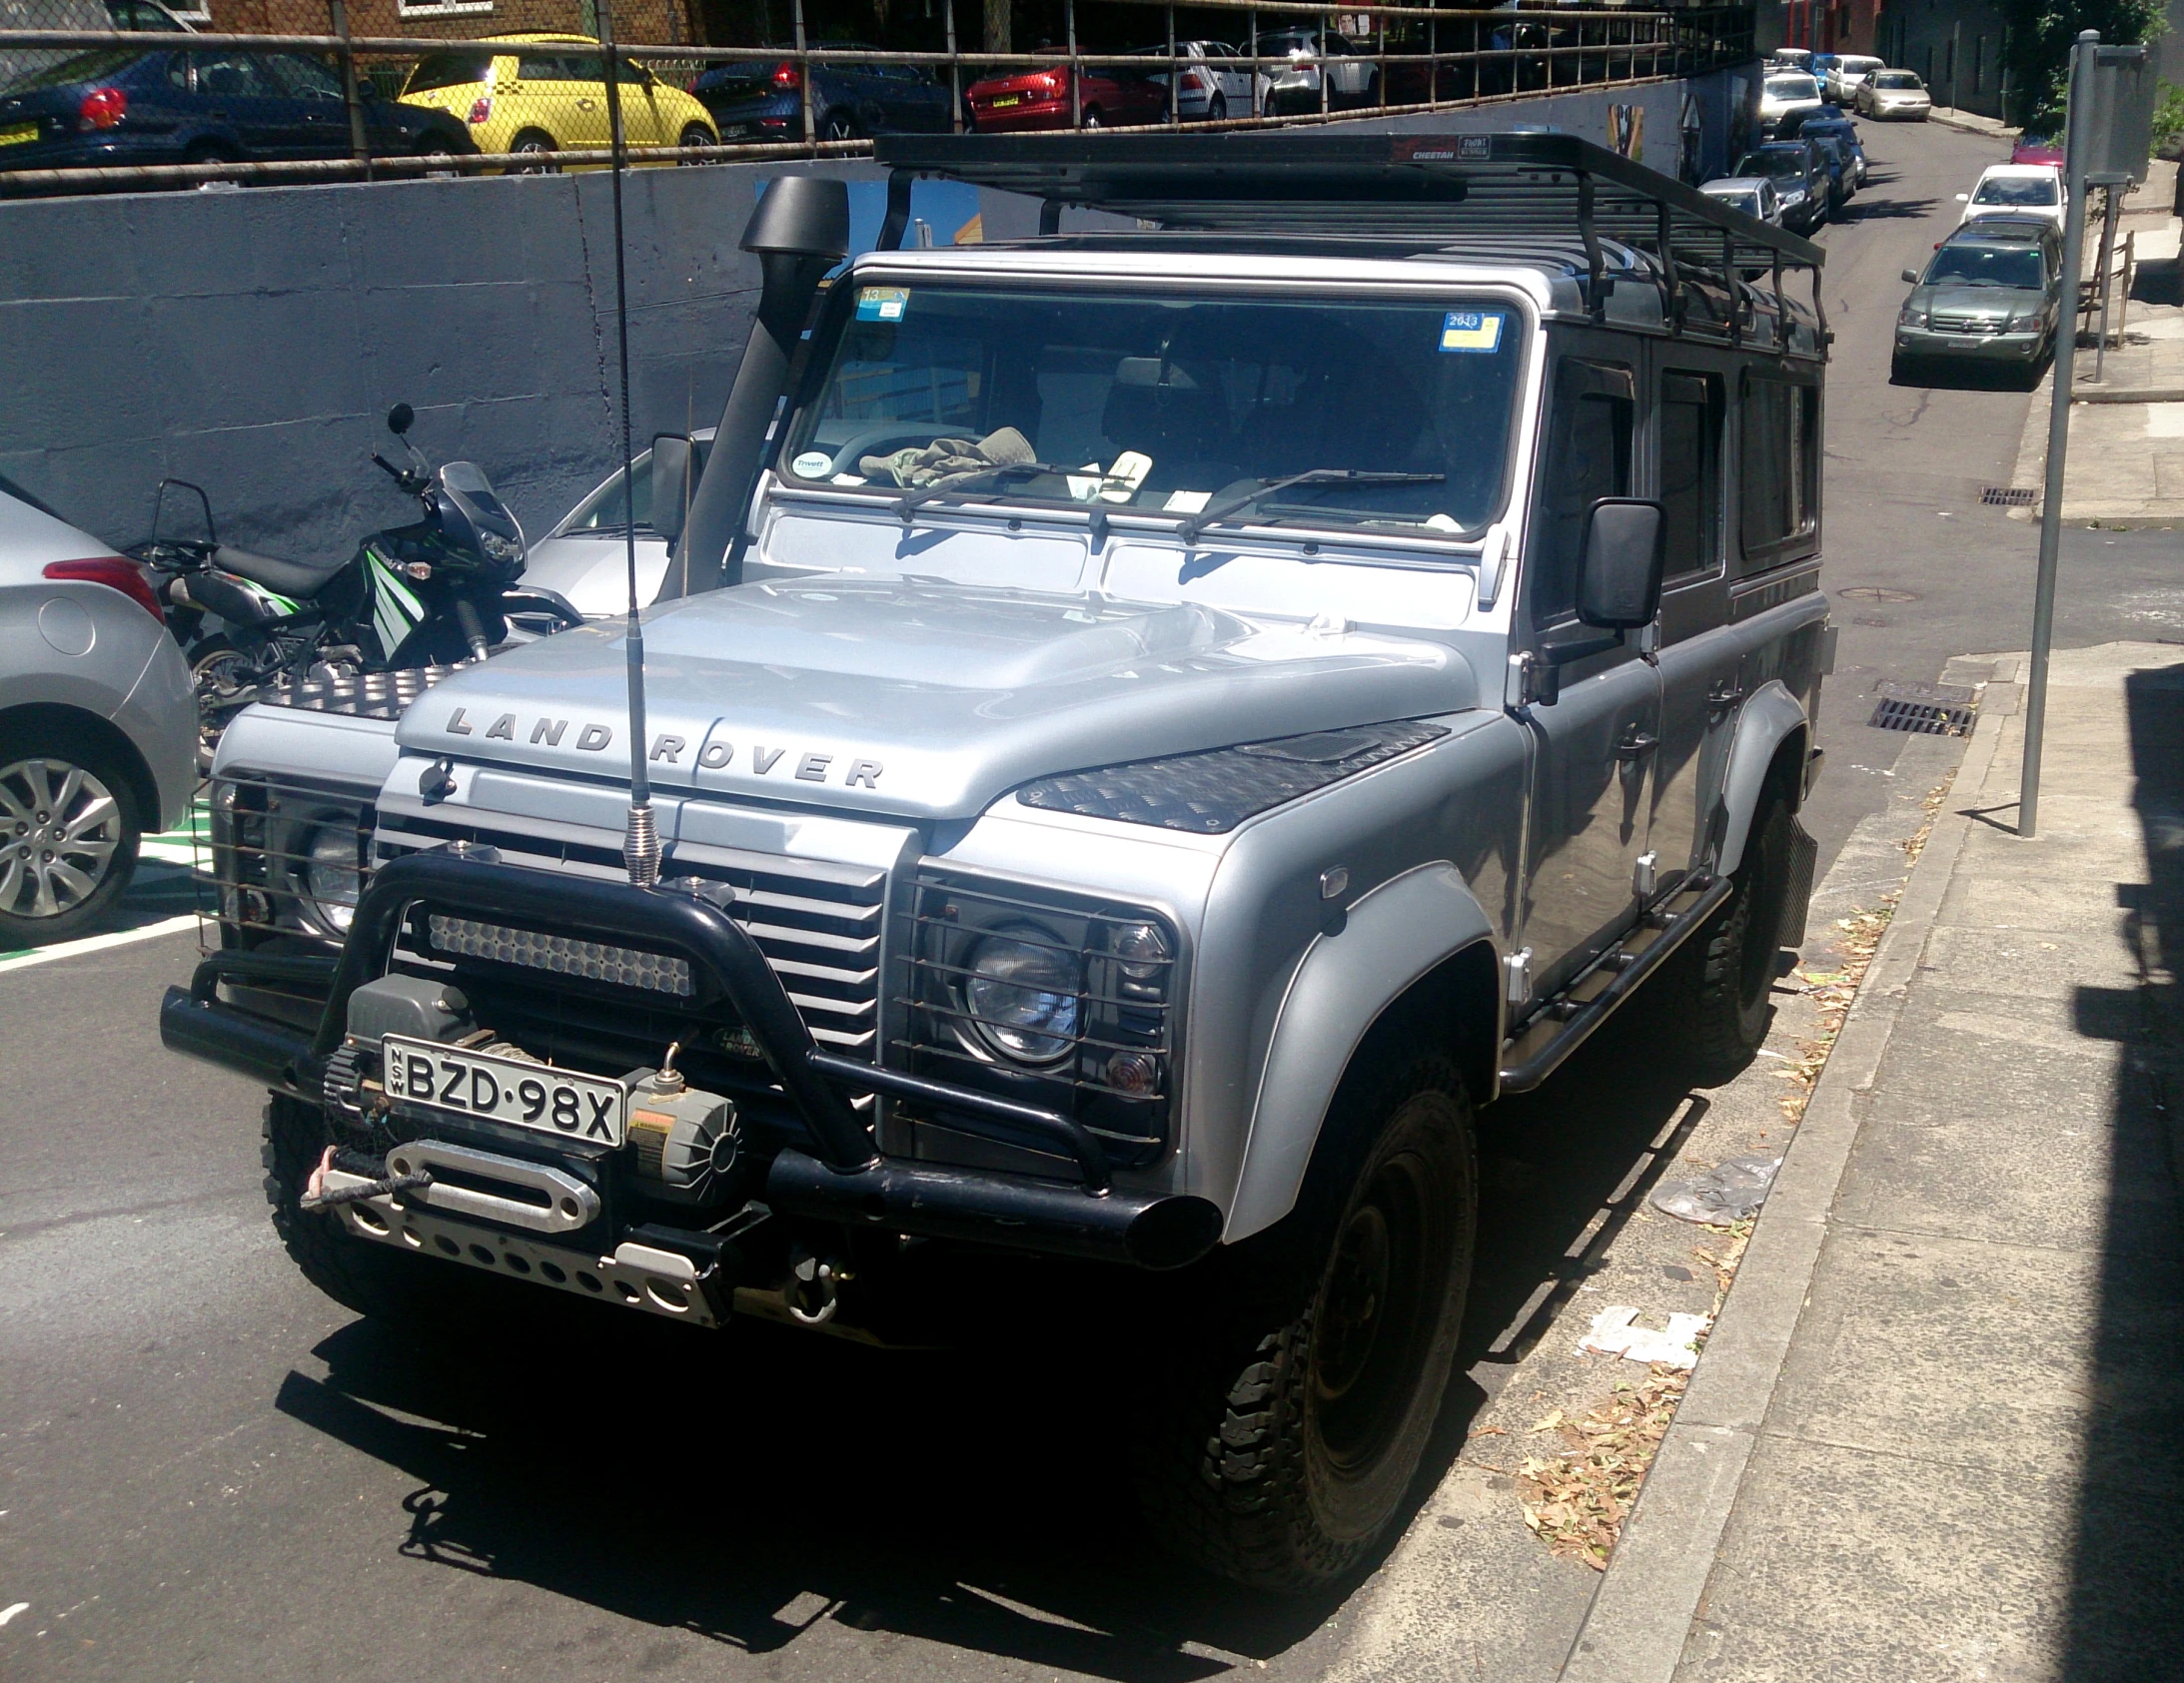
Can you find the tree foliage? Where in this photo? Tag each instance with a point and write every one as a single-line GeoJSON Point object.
{"type": "Point", "coordinates": [2039, 41]}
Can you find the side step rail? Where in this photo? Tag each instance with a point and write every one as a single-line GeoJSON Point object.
{"type": "Point", "coordinates": [1565, 1023]}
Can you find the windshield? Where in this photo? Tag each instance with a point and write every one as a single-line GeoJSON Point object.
{"type": "Point", "coordinates": [601, 510]}
{"type": "Point", "coordinates": [1792, 87]}
{"type": "Point", "coordinates": [1775, 166]}
{"type": "Point", "coordinates": [1902, 79]}
{"type": "Point", "coordinates": [1747, 200]}
{"type": "Point", "coordinates": [1170, 403]}
{"type": "Point", "coordinates": [1857, 67]}
{"type": "Point", "coordinates": [2016, 190]}
{"type": "Point", "coordinates": [1984, 265]}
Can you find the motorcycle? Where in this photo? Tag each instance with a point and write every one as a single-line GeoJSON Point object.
{"type": "Point", "coordinates": [431, 593]}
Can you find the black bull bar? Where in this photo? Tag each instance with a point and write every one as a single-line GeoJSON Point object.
{"type": "Point", "coordinates": [842, 1178]}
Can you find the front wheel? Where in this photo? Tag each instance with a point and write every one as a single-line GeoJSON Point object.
{"type": "Point", "coordinates": [838, 124]}
{"type": "Point", "coordinates": [1292, 1419]}
{"type": "Point", "coordinates": [536, 153]}
{"type": "Point", "coordinates": [1092, 119]}
{"type": "Point", "coordinates": [69, 831]}
{"type": "Point", "coordinates": [694, 136]}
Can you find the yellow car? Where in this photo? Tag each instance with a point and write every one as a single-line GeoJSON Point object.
{"type": "Point", "coordinates": [546, 93]}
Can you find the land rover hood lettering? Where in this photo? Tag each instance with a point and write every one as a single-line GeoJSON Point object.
{"type": "Point", "coordinates": [922, 699]}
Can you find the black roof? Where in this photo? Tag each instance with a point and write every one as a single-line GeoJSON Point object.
{"type": "Point", "coordinates": [1427, 186]}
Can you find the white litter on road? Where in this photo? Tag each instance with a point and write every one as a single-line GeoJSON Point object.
{"type": "Point", "coordinates": [7, 1613]}
{"type": "Point", "coordinates": [1616, 1333]}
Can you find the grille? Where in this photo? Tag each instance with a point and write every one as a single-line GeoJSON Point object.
{"type": "Point", "coordinates": [1967, 324]}
{"type": "Point", "coordinates": [2009, 497]}
{"type": "Point", "coordinates": [818, 923]}
{"type": "Point", "coordinates": [1927, 718]}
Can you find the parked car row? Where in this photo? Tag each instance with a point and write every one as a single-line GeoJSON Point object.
{"type": "Point", "coordinates": [1798, 82]}
{"type": "Point", "coordinates": [1993, 294]}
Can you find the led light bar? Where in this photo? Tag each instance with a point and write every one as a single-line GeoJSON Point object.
{"type": "Point", "coordinates": [624, 966]}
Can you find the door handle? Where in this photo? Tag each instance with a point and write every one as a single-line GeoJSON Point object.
{"type": "Point", "coordinates": [1727, 694]}
{"type": "Point", "coordinates": [1637, 745]}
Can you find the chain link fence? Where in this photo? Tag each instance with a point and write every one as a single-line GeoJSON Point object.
{"type": "Point", "coordinates": [106, 94]}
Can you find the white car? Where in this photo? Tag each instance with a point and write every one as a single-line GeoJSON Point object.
{"type": "Point", "coordinates": [1785, 94]}
{"type": "Point", "coordinates": [1846, 75]}
{"type": "Point", "coordinates": [2029, 192]}
{"type": "Point", "coordinates": [1789, 58]}
{"type": "Point", "coordinates": [1895, 95]}
{"type": "Point", "coordinates": [1215, 84]}
{"type": "Point", "coordinates": [1756, 196]}
{"type": "Point", "coordinates": [98, 724]}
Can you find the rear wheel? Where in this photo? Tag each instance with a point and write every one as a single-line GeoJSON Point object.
{"type": "Point", "coordinates": [695, 135]}
{"type": "Point", "coordinates": [1218, 110]}
{"type": "Point", "coordinates": [1721, 982]}
{"type": "Point", "coordinates": [1092, 119]}
{"type": "Point", "coordinates": [536, 149]}
{"type": "Point", "coordinates": [1294, 1410]}
{"type": "Point", "coordinates": [69, 831]}
{"type": "Point", "coordinates": [838, 124]}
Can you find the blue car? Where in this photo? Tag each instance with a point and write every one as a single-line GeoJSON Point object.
{"type": "Point", "coordinates": [754, 100]}
{"type": "Point", "coordinates": [1845, 135]}
{"type": "Point", "coordinates": [124, 105]}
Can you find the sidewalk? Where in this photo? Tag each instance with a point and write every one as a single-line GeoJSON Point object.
{"type": "Point", "coordinates": [2126, 425]}
{"type": "Point", "coordinates": [1938, 1430]}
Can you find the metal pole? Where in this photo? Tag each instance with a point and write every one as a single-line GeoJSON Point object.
{"type": "Point", "coordinates": [1175, 75]}
{"type": "Point", "coordinates": [2109, 206]}
{"type": "Point", "coordinates": [955, 77]}
{"type": "Point", "coordinates": [358, 144]}
{"type": "Point", "coordinates": [1251, 23]}
{"type": "Point", "coordinates": [1077, 82]}
{"type": "Point", "coordinates": [2058, 428]}
{"type": "Point", "coordinates": [804, 69]}
{"type": "Point", "coordinates": [1327, 24]}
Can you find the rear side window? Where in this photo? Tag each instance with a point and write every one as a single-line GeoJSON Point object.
{"type": "Point", "coordinates": [1589, 458]}
{"type": "Point", "coordinates": [448, 70]}
{"type": "Point", "coordinates": [1690, 473]}
{"type": "Point", "coordinates": [1779, 465]}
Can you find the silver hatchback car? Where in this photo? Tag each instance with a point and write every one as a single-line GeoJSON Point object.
{"type": "Point", "coordinates": [98, 724]}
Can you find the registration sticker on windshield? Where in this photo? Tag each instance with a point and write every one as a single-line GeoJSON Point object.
{"type": "Point", "coordinates": [1470, 329]}
{"type": "Point", "coordinates": [882, 304]}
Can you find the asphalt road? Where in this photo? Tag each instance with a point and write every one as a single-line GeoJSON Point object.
{"type": "Point", "coordinates": [207, 1471]}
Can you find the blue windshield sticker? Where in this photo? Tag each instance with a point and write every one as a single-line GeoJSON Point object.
{"type": "Point", "coordinates": [882, 304]}
{"type": "Point", "coordinates": [1470, 329]}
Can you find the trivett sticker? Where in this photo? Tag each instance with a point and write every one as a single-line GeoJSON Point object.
{"type": "Point", "coordinates": [1470, 329]}
{"type": "Point", "coordinates": [811, 464]}
{"type": "Point", "coordinates": [882, 304]}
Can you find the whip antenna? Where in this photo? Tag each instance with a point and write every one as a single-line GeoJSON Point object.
{"type": "Point", "coordinates": [641, 840]}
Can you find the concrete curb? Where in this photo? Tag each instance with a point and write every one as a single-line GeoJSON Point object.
{"type": "Point", "coordinates": [1971, 123]}
{"type": "Point", "coordinates": [1644, 1608]}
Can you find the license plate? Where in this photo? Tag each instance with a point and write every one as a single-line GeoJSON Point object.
{"type": "Point", "coordinates": [18, 135]}
{"type": "Point", "coordinates": [1000, 100]}
{"type": "Point", "coordinates": [485, 1085]}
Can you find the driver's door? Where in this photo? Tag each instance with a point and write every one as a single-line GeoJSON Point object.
{"type": "Point", "coordinates": [1594, 747]}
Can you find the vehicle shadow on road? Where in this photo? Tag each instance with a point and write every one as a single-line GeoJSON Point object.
{"type": "Point", "coordinates": [2127, 1601]}
{"type": "Point", "coordinates": [1864, 208]}
{"type": "Point", "coordinates": [751, 1486]}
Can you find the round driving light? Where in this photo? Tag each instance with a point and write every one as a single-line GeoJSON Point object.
{"type": "Point", "coordinates": [1134, 1073]}
{"type": "Point", "coordinates": [331, 877]}
{"type": "Point", "coordinates": [1024, 993]}
{"type": "Point", "coordinates": [1141, 949]}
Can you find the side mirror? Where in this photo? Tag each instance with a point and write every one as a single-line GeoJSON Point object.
{"type": "Point", "coordinates": [670, 485]}
{"type": "Point", "coordinates": [1619, 563]}
{"type": "Point", "coordinates": [401, 418]}
{"type": "Point", "coordinates": [1964, 197]}
{"type": "Point", "coordinates": [1912, 275]}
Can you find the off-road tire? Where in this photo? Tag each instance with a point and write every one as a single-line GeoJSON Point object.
{"type": "Point", "coordinates": [1275, 1453]}
{"type": "Point", "coordinates": [1726, 972]}
{"type": "Point", "coordinates": [384, 1284]}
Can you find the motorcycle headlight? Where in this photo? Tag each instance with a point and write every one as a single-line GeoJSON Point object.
{"type": "Point", "coordinates": [499, 548]}
{"type": "Point", "coordinates": [1024, 991]}
{"type": "Point", "coordinates": [333, 872]}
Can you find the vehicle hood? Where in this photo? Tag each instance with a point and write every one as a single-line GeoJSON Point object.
{"type": "Point", "coordinates": [592, 572]}
{"type": "Point", "coordinates": [920, 699]}
{"type": "Point", "coordinates": [1976, 301]}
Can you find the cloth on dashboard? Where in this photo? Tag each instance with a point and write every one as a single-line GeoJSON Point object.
{"type": "Point", "coordinates": [948, 459]}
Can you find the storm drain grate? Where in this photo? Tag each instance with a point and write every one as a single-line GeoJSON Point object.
{"type": "Point", "coordinates": [1927, 718]}
{"type": "Point", "coordinates": [2009, 497]}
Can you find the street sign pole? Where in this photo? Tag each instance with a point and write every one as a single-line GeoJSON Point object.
{"type": "Point", "coordinates": [2058, 426]}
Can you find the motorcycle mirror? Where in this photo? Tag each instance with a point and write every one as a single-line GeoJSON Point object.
{"type": "Point", "coordinates": [670, 485]}
{"type": "Point", "coordinates": [399, 419]}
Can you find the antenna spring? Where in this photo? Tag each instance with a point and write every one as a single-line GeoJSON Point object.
{"type": "Point", "coordinates": [641, 845]}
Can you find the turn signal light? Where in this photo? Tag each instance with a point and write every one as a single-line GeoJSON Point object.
{"type": "Point", "coordinates": [787, 75]}
{"type": "Point", "coordinates": [115, 573]}
{"type": "Point", "coordinates": [480, 108]}
{"type": "Point", "coordinates": [102, 108]}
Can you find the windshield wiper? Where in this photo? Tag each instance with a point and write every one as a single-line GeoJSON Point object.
{"type": "Point", "coordinates": [910, 504]}
{"type": "Point", "coordinates": [1221, 512]}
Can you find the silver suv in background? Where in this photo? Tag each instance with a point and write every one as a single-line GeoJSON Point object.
{"type": "Point", "coordinates": [98, 724]}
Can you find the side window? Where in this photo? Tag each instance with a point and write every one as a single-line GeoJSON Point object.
{"type": "Point", "coordinates": [1587, 457]}
{"type": "Point", "coordinates": [1690, 472]}
{"type": "Point", "coordinates": [542, 67]}
{"type": "Point", "coordinates": [1779, 470]}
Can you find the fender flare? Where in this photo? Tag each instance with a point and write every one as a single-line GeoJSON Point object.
{"type": "Point", "coordinates": [1388, 941]}
{"type": "Point", "coordinates": [1768, 718]}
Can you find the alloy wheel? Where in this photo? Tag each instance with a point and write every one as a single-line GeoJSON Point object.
{"type": "Point", "coordinates": [60, 827]}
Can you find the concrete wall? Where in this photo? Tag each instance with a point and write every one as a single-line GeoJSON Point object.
{"type": "Point", "coordinates": [252, 340]}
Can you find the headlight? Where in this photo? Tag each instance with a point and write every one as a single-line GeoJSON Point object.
{"type": "Point", "coordinates": [1023, 991]}
{"type": "Point", "coordinates": [332, 872]}
{"type": "Point", "coordinates": [499, 548]}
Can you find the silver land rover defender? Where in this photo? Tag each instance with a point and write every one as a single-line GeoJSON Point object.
{"type": "Point", "coordinates": [1166, 724]}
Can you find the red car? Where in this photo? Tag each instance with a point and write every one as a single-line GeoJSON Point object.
{"type": "Point", "coordinates": [2038, 149]}
{"type": "Point", "coordinates": [1110, 97]}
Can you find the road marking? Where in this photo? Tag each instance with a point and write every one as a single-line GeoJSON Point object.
{"type": "Point", "coordinates": [7, 1613]}
{"type": "Point", "coordinates": [99, 942]}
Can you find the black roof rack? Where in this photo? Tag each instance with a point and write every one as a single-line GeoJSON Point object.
{"type": "Point", "coordinates": [1422, 186]}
